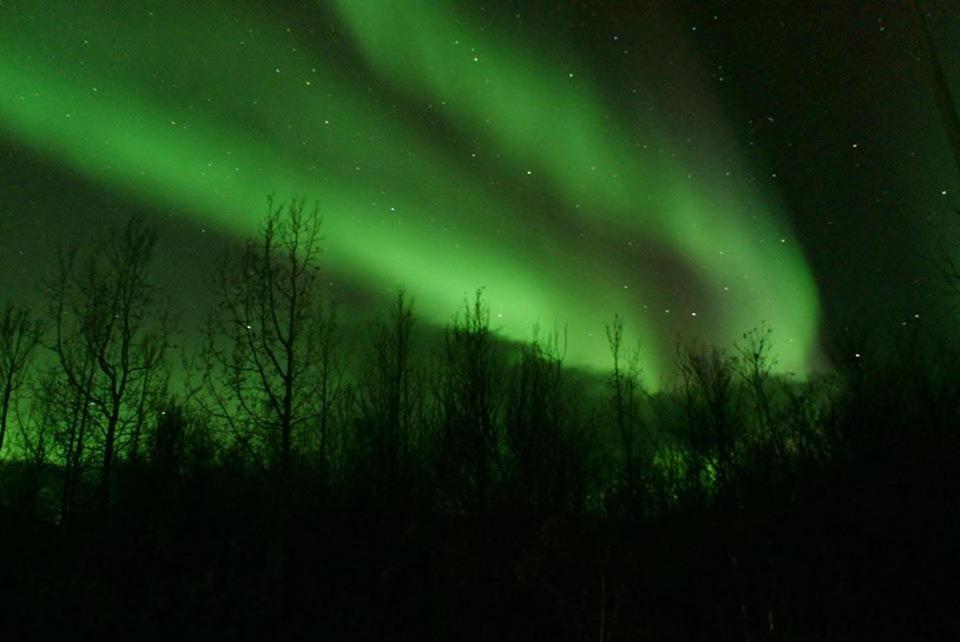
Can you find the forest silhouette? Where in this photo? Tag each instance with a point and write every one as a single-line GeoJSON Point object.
{"type": "Point", "coordinates": [298, 481]}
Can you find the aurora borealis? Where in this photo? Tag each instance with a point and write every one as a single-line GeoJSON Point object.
{"type": "Point", "coordinates": [447, 154]}
{"type": "Point", "coordinates": [479, 319]}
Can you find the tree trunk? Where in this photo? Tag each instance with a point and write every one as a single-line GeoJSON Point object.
{"type": "Point", "coordinates": [5, 408]}
{"type": "Point", "coordinates": [106, 469]}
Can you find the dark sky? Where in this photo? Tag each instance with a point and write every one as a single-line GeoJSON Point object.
{"type": "Point", "coordinates": [575, 158]}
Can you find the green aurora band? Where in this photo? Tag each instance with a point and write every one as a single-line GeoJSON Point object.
{"type": "Point", "coordinates": [207, 111]}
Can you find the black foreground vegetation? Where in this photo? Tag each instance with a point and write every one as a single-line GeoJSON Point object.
{"type": "Point", "coordinates": [298, 482]}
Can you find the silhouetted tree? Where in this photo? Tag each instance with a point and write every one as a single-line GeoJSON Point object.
{"type": "Point", "coordinates": [546, 449]}
{"type": "Point", "coordinates": [20, 334]}
{"type": "Point", "coordinates": [110, 342]}
{"type": "Point", "coordinates": [390, 399]}
{"type": "Point", "coordinates": [626, 392]}
{"type": "Point", "coordinates": [271, 362]}
{"type": "Point", "coordinates": [70, 415]}
{"type": "Point", "coordinates": [754, 366]}
{"type": "Point", "coordinates": [43, 414]}
{"type": "Point", "coordinates": [710, 406]}
{"type": "Point", "coordinates": [469, 399]}
{"type": "Point", "coordinates": [167, 443]}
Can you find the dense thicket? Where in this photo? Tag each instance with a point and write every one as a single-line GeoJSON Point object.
{"type": "Point", "coordinates": [302, 485]}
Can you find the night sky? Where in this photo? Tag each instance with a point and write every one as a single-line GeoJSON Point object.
{"type": "Point", "coordinates": [698, 167]}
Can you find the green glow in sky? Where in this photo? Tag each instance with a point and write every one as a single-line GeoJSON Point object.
{"type": "Point", "coordinates": [445, 159]}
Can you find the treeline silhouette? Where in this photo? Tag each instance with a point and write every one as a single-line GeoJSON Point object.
{"type": "Point", "coordinates": [298, 482]}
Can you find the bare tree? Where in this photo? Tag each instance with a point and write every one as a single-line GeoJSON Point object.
{"type": "Point", "coordinates": [541, 427]}
{"type": "Point", "coordinates": [272, 361]}
{"type": "Point", "coordinates": [20, 334]}
{"type": "Point", "coordinates": [109, 343]}
{"type": "Point", "coordinates": [711, 406]}
{"type": "Point", "coordinates": [389, 394]}
{"type": "Point", "coordinates": [626, 389]}
{"type": "Point", "coordinates": [754, 366]}
{"type": "Point", "coordinates": [469, 399]}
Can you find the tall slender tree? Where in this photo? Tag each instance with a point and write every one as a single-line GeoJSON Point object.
{"type": "Point", "coordinates": [470, 398]}
{"type": "Point", "coordinates": [754, 364]}
{"type": "Point", "coordinates": [20, 334]}
{"type": "Point", "coordinates": [110, 341]}
{"type": "Point", "coordinates": [270, 361]}
{"type": "Point", "coordinates": [711, 405]}
{"type": "Point", "coordinates": [626, 391]}
{"type": "Point", "coordinates": [390, 399]}
{"type": "Point", "coordinates": [540, 425]}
